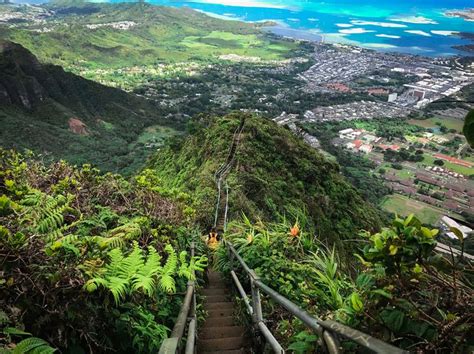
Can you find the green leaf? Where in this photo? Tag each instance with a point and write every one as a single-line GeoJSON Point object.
{"type": "Point", "coordinates": [408, 220]}
{"type": "Point", "coordinates": [393, 319]}
{"type": "Point", "coordinates": [393, 250]}
{"type": "Point", "coordinates": [426, 232]}
{"type": "Point", "coordinates": [28, 344]}
{"type": "Point", "coordinates": [15, 332]}
{"type": "Point", "coordinates": [298, 347]}
{"type": "Point", "coordinates": [363, 261]}
{"type": "Point", "coordinates": [378, 243]}
{"type": "Point", "coordinates": [383, 293]}
{"type": "Point", "coordinates": [417, 269]}
{"type": "Point", "coordinates": [356, 302]}
{"type": "Point", "coordinates": [459, 234]}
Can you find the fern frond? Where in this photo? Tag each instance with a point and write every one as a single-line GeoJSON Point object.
{"type": "Point", "coordinates": [167, 283]}
{"type": "Point", "coordinates": [172, 261]}
{"type": "Point", "coordinates": [118, 287]}
{"type": "Point", "coordinates": [146, 282]}
{"type": "Point", "coordinates": [132, 263]}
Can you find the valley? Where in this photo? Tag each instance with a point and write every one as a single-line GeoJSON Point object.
{"type": "Point", "coordinates": [147, 152]}
{"type": "Point", "coordinates": [206, 65]}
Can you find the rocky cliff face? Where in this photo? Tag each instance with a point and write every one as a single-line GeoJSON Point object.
{"type": "Point", "coordinates": [19, 83]}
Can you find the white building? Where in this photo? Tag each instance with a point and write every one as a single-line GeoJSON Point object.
{"type": "Point", "coordinates": [448, 223]}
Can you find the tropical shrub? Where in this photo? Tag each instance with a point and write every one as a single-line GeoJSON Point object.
{"type": "Point", "coordinates": [90, 262]}
{"type": "Point", "coordinates": [395, 287]}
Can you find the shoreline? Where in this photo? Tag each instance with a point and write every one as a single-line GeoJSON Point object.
{"type": "Point", "coordinates": [466, 14]}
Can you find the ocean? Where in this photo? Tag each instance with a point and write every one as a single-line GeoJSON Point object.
{"type": "Point", "coordinates": [408, 26]}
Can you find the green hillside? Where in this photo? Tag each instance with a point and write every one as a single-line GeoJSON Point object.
{"type": "Point", "coordinates": [50, 111]}
{"type": "Point", "coordinates": [155, 35]}
{"type": "Point", "coordinates": [275, 174]}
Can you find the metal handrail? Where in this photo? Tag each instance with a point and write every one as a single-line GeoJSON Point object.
{"type": "Point", "coordinates": [186, 318]}
{"type": "Point", "coordinates": [222, 171]}
{"type": "Point", "coordinates": [327, 330]}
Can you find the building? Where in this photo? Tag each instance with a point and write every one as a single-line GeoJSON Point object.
{"type": "Point", "coordinates": [392, 97]}
{"type": "Point", "coordinates": [365, 148]}
{"type": "Point", "coordinates": [447, 223]}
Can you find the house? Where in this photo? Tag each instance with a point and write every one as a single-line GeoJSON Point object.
{"type": "Point", "coordinates": [365, 148]}
{"type": "Point", "coordinates": [389, 147]}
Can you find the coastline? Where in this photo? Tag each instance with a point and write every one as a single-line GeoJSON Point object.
{"type": "Point", "coordinates": [466, 14]}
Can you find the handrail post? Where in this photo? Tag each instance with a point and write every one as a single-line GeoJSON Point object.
{"type": "Point", "coordinates": [256, 302]}
{"type": "Point", "coordinates": [231, 259]}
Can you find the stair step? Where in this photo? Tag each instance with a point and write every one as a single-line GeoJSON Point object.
{"type": "Point", "coordinates": [215, 298]}
{"type": "Point", "coordinates": [216, 286]}
{"type": "Point", "coordinates": [214, 291]}
{"type": "Point", "coordinates": [214, 276]}
{"type": "Point", "coordinates": [230, 351]}
{"type": "Point", "coordinates": [219, 321]}
{"type": "Point", "coordinates": [219, 305]}
{"type": "Point", "coordinates": [221, 343]}
{"type": "Point", "coordinates": [219, 312]}
{"type": "Point", "coordinates": [222, 332]}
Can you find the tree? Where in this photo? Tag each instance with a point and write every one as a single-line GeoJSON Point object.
{"type": "Point", "coordinates": [438, 162]}
{"type": "Point", "coordinates": [468, 129]}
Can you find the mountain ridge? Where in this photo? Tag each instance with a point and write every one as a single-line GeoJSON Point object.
{"type": "Point", "coordinates": [41, 104]}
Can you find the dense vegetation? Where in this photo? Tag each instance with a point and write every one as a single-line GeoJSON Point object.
{"type": "Point", "coordinates": [469, 128]}
{"type": "Point", "coordinates": [159, 34]}
{"type": "Point", "coordinates": [394, 287]}
{"type": "Point", "coordinates": [275, 173]}
{"type": "Point", "coordinates": [90, 262]}
{"type": "Point", "coordinates": [38, 103]}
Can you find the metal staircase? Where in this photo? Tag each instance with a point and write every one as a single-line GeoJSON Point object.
{"type": "Point", "coordinates": [220, 334]}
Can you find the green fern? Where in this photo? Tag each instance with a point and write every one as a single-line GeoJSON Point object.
{"type": "Point", "coordinates": [33, 345]}
{"type": "Point", "coordinates": [167, 282]}
{"type": "Point", "coordinates": [144, 279]}
{"type": "Point", "coordinates": [45, 214]}
{"type": "Point", "coordinates": [126, 274]}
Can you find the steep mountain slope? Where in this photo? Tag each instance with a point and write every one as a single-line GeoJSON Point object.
{"type": "Point", "coordinates": [45, 109]}
{"type": "Point", "coordinates": [275, 173]}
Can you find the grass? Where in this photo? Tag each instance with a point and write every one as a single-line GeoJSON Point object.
{"type": "Point", "coordinates": [429, 160]}
{"type": "Point", "coordinates": [450, 123]}
{"type": "Point", "coordinates": [161, 35]}
{"type": "Point", "coordinates": [404, 174]}
{"type": "Point", "coordinates": [157, 134]}
{"type": "Point", "coordinates": [403, 206]}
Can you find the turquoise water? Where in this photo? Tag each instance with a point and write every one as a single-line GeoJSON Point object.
{"type": "Point", "coordinates": [409, 26]}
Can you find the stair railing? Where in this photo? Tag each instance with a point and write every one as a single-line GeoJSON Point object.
{"type": "Point", "coordinates": [328, 331]}
{"type": "Point", "coordinates": [225, 168]}
{"type": "Point", "coordinates": [186, 318]}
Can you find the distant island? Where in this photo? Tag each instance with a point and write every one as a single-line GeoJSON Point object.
{"type": "Point", "coordinates": [467, 14]}
{"type": "Point", "coordinates": [466, 47]}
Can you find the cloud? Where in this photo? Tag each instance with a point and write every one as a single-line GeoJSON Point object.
{"type": "Point", "coordinates": [344, 25]}
{"type": "Point", "coordinates": [354, 31]}
{"type": "Point", "coordinates": [387, 36]}
{"type": "Point", "coordinates": [379, 45]}
{"type": "Point", "coordinates": [229, 17]}
{"type": "Point", "coordinates": [243, 3]}
{"type": "Point", "coordinates": [445, 33]}
{"type": "Point", "coordinates": [312, 19]}
{"type": "Point", "coordinates": [421, 33]}
{"type": "Point", "coordinates": [420, 20]}
{"type": "Point", "coordinates": [379, 24]}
